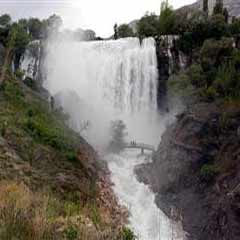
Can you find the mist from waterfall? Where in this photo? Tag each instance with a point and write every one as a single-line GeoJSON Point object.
{"type": "Point", "coordinates": [114, 79]}
{"type": "Point", "coordinates": [102, 81]}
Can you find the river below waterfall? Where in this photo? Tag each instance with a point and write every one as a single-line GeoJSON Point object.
{"type": "Point", "coordinates": [146, 220]}
{"type": "Point", "coordinates": [96, 83]}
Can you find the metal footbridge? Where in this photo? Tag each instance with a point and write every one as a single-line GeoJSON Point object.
{"type": "Point", "coordinates": [142, 146]}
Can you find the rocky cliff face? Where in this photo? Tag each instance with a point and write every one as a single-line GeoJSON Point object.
{"type": "Point", "coordinates": [170, 60]}
{"type": "Point", "coordinates": [233, 6]}
{"type": "Point", "coordinates": [195, 172]}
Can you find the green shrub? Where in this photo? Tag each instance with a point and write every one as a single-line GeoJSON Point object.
{"type": "Point", "coordinates": [72, 156]}
{"type": "Point", "coordinates": [124, 31]}
{"type": "Point", "coordinates": [42, 128]}
{"type": "Point", "coordinates": [213, 53]}
{"type": "Point", "coordinates": [19, 74]}
{"type": "Point", "coordinates": [71, 208]}
{"type": "Point", "coordinates": [30, 83]}
{"type": "Point", "coordinates": [235, 27]}
{"type": "Point", "coordinates": [209, 94]}
{"type": "Point", "coordinates": [148, 26]}
{"type": "Point", "coordinates": [127, 234]}
{"type": "Point", "coordinates": [186, 43]}
{"type": "Point", "coordinates": [180, 85]}
{"type": "Point", "coordinates": [208, 172]}
{"type": "Point", "coordinates": [71, 233]}
{"type": "Point", "coordinates": [13, 93]}
{"type": "Point", "coordinates": [166, 19]}
{"type": "Point", "coordinates": [217, 27]}
{"type": "Point", "coordinates": [95, 216]}
{"type": "Point", "coordinates": [196, 75]}
{"type": "Point", "coordinates": [227, 81]}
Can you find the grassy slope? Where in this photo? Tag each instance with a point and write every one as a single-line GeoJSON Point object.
{"type": "Point", "coordinates": [49, 164]}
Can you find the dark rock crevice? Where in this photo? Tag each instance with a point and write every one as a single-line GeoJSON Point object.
{"type": "Point", "coordinates": [163, 75]}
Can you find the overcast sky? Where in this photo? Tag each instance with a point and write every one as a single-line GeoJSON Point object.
{"type": "Point", "coordinates": [99, 15]}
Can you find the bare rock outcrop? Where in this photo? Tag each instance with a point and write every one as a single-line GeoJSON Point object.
{"type": "Point", "coordinates": [196, 171]}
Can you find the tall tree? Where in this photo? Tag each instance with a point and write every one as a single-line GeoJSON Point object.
{"type": "Point", "coordinates": [21, 40]}
{"type": "Point", "coordinates": [8, 54]}
{"type": "Point", "coordinates": [148, 26]}
{"type": "Point", "coordinates": [218, 9]}
{"type": "Point", "coordinates": [23, 23]}
{"type": "Point", "coordinates": [54, 22]}
{"type": "Point", "coordinates": [5, 20]}
{"type": "Point", "coordinates": [166, 19]}
{"type": "Point", "coordinates": [205, 6]}
{"type": "Point", "coordinates": [226, 15]}
{"type": "Point", "coordinates": [35, 28]}
{"type": "Point", "coordinates": [115, 31]}
{"type": "Point", "coordinates": [124, 31]}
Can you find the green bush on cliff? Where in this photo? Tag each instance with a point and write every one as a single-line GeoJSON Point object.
{"type": "Point", "coordinates": [72, 156]}
{"type": "Point", "coordinates": [166, 19]}
{"type": "Point", "coordinates": [148, 26]}
{"type": "Point", "coordinates": [124, 31]}
{"type": "Point", "coordinates": [31, 83]}
{"type": "Point", "coordinates": [39, 122]}
{"type": "Point", "coordinates": [71, 233]}
{"type": "Point", "coordinates": [180, 85]}
{"type": "Point", "coordinates": [235, 27]}
{"type": "Point", "coordinates": [127, 234]}
{"type": "Point", "coordinates": [218, 27]}
{"type": "Point", "coordinates": [213, 53]}
{"type": "Point", "coordinates": [227, 81]}
{"type": "Point", "coordinates": [196, 75]}
{"type": "Point", "coordinates": [209, 93]}
{"type": "Point", "coordinates": [208, 172]}
{"type": "Point", "coordinates": [43, 129]}
{"type": "Point", "coordinates": [13, 93]}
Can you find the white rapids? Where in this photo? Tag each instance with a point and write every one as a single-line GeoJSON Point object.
{"type": "Point", "coordinates": [115, 80]}
{"type": "Point", "coordinates": [146, 220]}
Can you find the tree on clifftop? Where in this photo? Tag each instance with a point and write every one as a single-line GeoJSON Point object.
{"type": "Point", "coordinates": [166, 19]}
{"type": "Point", "coordinates": [35, 28]}
{"type": "Point", "coordinates": [5, 20]}
{"type": "Point", "coordinates": [21, 40]}
{"type": "Point", "coordinates": [124, 31]}
{"type": "Point", "coordinates": [148, 26]}
{"type": "Point", "coordinates": [218, 9]}
{"type": "Point", "coordinates": [115, 31]}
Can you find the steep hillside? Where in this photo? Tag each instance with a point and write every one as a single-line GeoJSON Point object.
{"type": "Point", "coordinates": [49, 174]}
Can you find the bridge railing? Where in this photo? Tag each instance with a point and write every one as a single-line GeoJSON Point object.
{"type": "Point", "coordinates": [139, 145]}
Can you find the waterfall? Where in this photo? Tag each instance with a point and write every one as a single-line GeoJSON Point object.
{"type": "Point", "coordinates": [30, 61]}
{"type": "Point", "coordinates": [124, 70]}
{"type": "Point", "coordinates": [109, 80]}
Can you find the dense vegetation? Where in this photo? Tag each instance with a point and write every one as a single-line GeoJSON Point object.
{"type": "Point", "coordinates": [193, 27]}
{"type": "Point", "coordinates": [211, 47]}
{"type": "Point", "coordinates": [15, 36]}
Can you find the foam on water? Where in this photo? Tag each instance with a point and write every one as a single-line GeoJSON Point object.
{"type": "Point", "coordinates": [147, 221]}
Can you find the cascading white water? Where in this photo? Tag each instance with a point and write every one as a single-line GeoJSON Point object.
{"type": "Point", "coordinates": [114, 80]}
{"type": "Point", "coordinates": [122, 72]}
